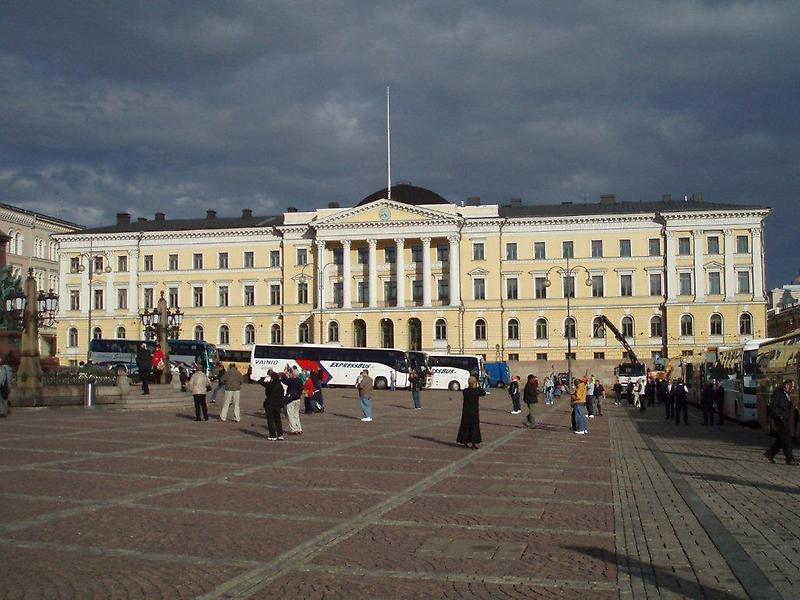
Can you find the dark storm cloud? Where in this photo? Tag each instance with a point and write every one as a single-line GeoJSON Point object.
{"type": "Point", "coordinates": [182, 106]}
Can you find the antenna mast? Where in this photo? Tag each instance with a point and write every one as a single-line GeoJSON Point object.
{"type": "Point", "coordinates": [388, 149]}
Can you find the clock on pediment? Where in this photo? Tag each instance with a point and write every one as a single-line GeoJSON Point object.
{"type": "Point", "coordinates": [385, 214]}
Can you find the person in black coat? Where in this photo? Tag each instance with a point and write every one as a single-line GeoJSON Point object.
{"type": "Point", "coordinates": [143, 362]}
{"type": "Point", "coordinates": [273, 403]}
{"type": "Point", "coordinates": [681, 396]}
{"type": "Point", "coordinates": [780, 411]}
{"type": "Point", "coordinates": [470, 430]}
{"type": "Point", "coordinates": [719, 400]}
{"type": "Point", "coordinates": [513, 391]}
{"type": "Point", "coordinates": [707, 402]}
{"type": "Point", "coordinates": [530, 396]}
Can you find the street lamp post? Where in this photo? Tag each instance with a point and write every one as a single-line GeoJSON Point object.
{"type": "Point", "coordinates": [321, 300]}
{"type": "Point", "coordinates": [90, 257]}
{"type": "Point", "coordinates": [163, 323]}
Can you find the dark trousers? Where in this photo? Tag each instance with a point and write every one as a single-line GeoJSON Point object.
{"type": "Point", "coordinates": [708, 413]}
{"type": "Point", "coordinates": [783, 439]}
{"type": "Point", "coordinates": [515, 402]}
{"type": "Point", "coordinates": [669, 405]}
{"type": "Point", "coordinates": [308, 405]}
{"type": "Point", "coordinates": [200, 405]}
{"type": "Point", "coordinates": [274, 423]}
{"type": "Point", "coordinates": [144, 376]}
{"type": "Point", "coordinates": [719, 409]}
{"type": "Point", "coordinates": [651, 399]}
{"type": "Point", "coordinates": [681, 406]}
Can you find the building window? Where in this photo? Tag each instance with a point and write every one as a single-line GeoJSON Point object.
{"type": "Point", "coordinates": [363, 292]}
{"type": "Point", "coordinates": [303, 334]}
{"type": "Point", "coordinates": [480, 330]}
{"type": "Point", "coordinates": [199, 334]}
{"type": "Point", "coordinates": [390, 255]}
{"type": "Point", "coordinates": [540, 287]}
{"type": "Point", "coordinates": [511, 251]}
{"type": "Point", "coordinates": [121, 333]}
{"type": "Point", "coordinates": [275, 258]}
{"type": "Point", "coordinates": [173, 262]}
{"type": "Point", "coordinates": [597, 248]}
{"type": "Point", "coordinates": [274, 294]}
{"type": "Point", "coordinates": [541, 329]}
{"type": "Point", "coordinates": [539, 251]}
{"type": "Point", "coordinates": [597, 286]}
{"type": "Point", "coordinates": [479, 289]}
{"type": "Point", "coordinates": [512, 288]}
{"type": "Point", "coordinates": [72, 338]}
{"type": "Point", "coordinates": [656, 330]}
{"type": "Point", "coordinates": [74, 299]}
{"type": "Point", "coordinates": [122, 264]}
{"type": "Point", "coordinates": [98, 299]}
{"type": "Point", "coordinates": [148, 298]}
{"type": "Point", "coordinates": [687, 325]}
{"type": "Point", "coordinates": [416, 254]}
{"type": "Point", "coordinates": [742, 244]}
{"type": "Point", "coordinates": [598, 329]}
{"type": "Point", "coordinates": [626, 285]}
{"type": "Point", "coordinates": [541, 356]}
{"type": "Point", "coordinates": [222, 260]}
{"type": "Point", "coordinates": [148, 262]}
{"type": "Point", "coordinates": [224, 335]}
{"type": "Point", "coordinates": [745, 324]}
{"type": "Point", "coordinates": [359, 333]}
{"type": "Point", "coordinates": [98, 264]}
{"type": "Point", "coordinates": [275, 334]}
{"type": "Point", "coordinates": [684, 246]}
{"type": "Point", "coordinates": [197, 261]}
{"type": "Point", "coordinates": [654, 247]}
{"type": "Point", "coordinates": [172, 297]}
{"type": "Point", "coordinates": [416, 290]}
{"type": "Point", "coordinates": [250, 295]}
{"type": "Point", "coordinates": [714, 283]}
{"type": "Point", "coordinates": [569, 328]}
{"type": "Point", "coordinates": [390, 291]}
{"type": "Point", "coordinates": [569, 286]}
{"type": "Point", "coordinates": [338, 293]}
{"type": "Point", "coordinates": [97, 333]}
{"type": "Point", "coordinates": [743, 282]}
{"type": "Point", "coordinates": [197, 297]}
{"type": "Point", "coordinates": [685, 284]}
{"type": "Point", "coordinates": [302, 292]}
{"type": "Point", "coordinates": [74, 264]}
{"type": "Point", "coordinates": [713, 244]}
{"type": "Point", "coordinates": [122, 298]}
{"type": "Point", "coordinates": [512, 329]}
{"type": "Point", "coordinates": [444, 290]}
{"type": "Point", "coordinates": [655, 284]}
{"type": "Point", "coordinates": [222, 295]}
{"type": "Point", "coordinates": [627, 327]}
{"type": "Point", "coordinates": [477, 251]}
{"type": "Point", "coordinates": [249, 260]}
{"type": "Point", "coordinates": [513, 356]}
{"type": "Point", "coordinates": [333, 331]}
{"type": "Point", "coordinates": [624, 248]}
{"type": "Point", "coordinates": [715, 325]}
{"type": "Point", "coordinates": [249, 334]}
{"type": "Point", "coordinates": [363, 255]}
{"type": "Point", "coordinates": [338, 257]}
{"type": "Point", "coordinates": [440, 330]}
{"type": "Point", "coordinates": [567, 250]}
{"type": "Point", "coordinates": [302, 256]}
{"type": "Point", "coordinates": [442, 253]}
{"type": "Point", "coordinates": [599, 355]}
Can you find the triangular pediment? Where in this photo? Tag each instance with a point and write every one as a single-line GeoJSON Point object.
{"type": "Point", "coordinates": [386, 213]}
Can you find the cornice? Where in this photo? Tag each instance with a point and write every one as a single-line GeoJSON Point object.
{"type": "Point", "coordinates": [428, 216]}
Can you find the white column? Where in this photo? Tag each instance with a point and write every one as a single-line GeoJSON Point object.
{"type": "Point", "coordinates": [110, 301]}
{"type": "Point", "coordinates": [671, 273]}
{"type": "Point", "coordinates": [455, 267]}
{"type": "Point", "coordinates": [699, 279]}
{"type": "Point", "coordinates": [730, 283]}
{"type": "Point", "coordinates": [758, 257]}
{"type": "Point", "coordinates": [426, 271]}
{"type": "Point", "coordinates": [346, 277]}
{"type": "Point", "coordinates": [133, 282]}
{"type": "Point", "coordinates": [320, 274]}
{"type": "Point", "coordinates": [373, 273]}
{"type": "Point", "coordinates": [401, 271]}
{"type": "Point", "coordinates": [86, 293]}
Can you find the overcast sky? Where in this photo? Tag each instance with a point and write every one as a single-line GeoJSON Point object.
{"type": "Point", "coordinates": [180, 107]}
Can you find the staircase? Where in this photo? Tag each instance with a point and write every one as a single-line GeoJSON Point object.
{"type": "Point", "coordinates": [160, 396]}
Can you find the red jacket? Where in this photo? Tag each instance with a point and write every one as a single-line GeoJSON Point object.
{"type": "Point", "coordinates": [158, 356]}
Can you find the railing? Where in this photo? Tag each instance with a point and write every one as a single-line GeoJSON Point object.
{"type": "Point", "coordinates": [102, 377]}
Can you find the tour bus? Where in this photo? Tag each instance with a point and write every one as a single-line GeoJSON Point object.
{"type": "Point", "coordinates": [738, 364]}
{"type": "Point", "coordinates": [779, 360]}
{"type": "Point", "coordinates": [452, 371]}
{"type": "Point", "coordinates": [123, 352]}
{"type": "Point", "coordinates": [336, 365]}
{"type": "Point", "coordinates": [241, 358]}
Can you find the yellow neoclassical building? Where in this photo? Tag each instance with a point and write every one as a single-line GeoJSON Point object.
{"type": "Point", "coordinates": [411, 270]}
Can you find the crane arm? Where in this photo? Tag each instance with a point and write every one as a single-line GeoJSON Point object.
{"type": "Point", "coordinates": [621, 338]}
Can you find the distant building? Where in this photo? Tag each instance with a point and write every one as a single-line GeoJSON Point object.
{"type": "Point", "coordinates": [420, 272]}
{"type": "Point", "coordinates": [783, 314]}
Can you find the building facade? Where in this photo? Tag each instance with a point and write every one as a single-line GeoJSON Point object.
{"type": "Point", "coordinates": [783, 314]}
{"type": "Point", "coordinates": [415, 271]}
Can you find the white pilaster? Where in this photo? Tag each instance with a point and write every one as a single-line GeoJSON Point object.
{"type": "Point", "coordinates": [86, 293]}
{"type": "Point", "coordinates": [346, 277]}
{"type": "Point", "coordinates": [63, 269]}
{"type": "Point", "coordinates": [455, 268]}
{"type": "Point", "coordinates": [730, 283]}
{"type": "Point", "coordinates": [426, 271]}
{"type": "Point", "coordinates": [373, 273]}
{"type": "Point", "coordinates": [699, 280]}
{"type": "Point", "coordinates": [133, 281]}
{"type": "Point", "coordinates": [401, 271]}
{"type": "Point", "coordinates": [758, 258]}
{"type": "Point", "coordinates": [321, 274]}
{"type": "Point", "coordinates": [671, 273]}
{"type": "Point", "coordinates": [110, 300]}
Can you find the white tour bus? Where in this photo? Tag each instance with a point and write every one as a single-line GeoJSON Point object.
{"type": "Point", "coordinates": [336, 365]}
{"type": "Point", "coordinates": [739, 364]}
{"type": "Point", "coordinates": [451, 371]}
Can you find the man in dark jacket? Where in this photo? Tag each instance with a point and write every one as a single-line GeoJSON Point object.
{"type": "Point", "coordinates": [681, 402]}
{"type": "Point", "coordinates": [719, 400]}
{"type": "Point", "coordinates": [143, 362]}
{"type": "Point", "coordinates": [707, 402]}
{"type": "Point", "coordinates": [780, 412]}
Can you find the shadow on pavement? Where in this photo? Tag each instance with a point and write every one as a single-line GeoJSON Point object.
{"type": "Point", "coordinates": [736, 481]}
{"type": "Point", "coordinates": [185, 416]}
{"type": "Point", "coordinates": [255, 434]}
{"type": "Point", "coordinates": [346, 416]}
{"type": "Point", "coordinates": [435, 441]}
{"type": "Point", "coordinates": [401, 406]}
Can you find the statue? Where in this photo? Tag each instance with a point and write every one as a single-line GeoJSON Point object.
{"type": "Point", "coordinates": [9, 285]}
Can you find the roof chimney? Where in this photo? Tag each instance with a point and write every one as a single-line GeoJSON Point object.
{"type": "Point", "coordinates": [123, 218]}
{"type": "Point", "coordinates": [291, 209]}
{"type": "Point", "coordinates": [666, 197]}
{"type": "Point", "coordinates": [247, 213]}
{"type": "Point", "coordinates": [608, 199]}
{"type": "Point", "coordinates": [333, 205]}
{"type": "Point", "coordinates": [211, 215]}
{"type": "Point", "coordinates": [142, 220]}
{"type": "Point", "coordinates": [516, 202]}
{"type": "Point", "coordinates": [159, 217]}
{"type": "Point", "coordinates": [474, 201]}
{"type": "Point", "coordinates": [697, 197]}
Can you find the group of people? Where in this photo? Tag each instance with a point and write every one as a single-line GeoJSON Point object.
{"type": "Point", "coordinates": [150, 365]}
{"type": "Point", "coordinates": [586, 400]}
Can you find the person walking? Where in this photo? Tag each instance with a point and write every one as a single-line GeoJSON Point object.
{"type": "Point", "coordinates": [719, 401]}
{"type": "Point", "coordinates": [578, 402]}
{"type": "Point", "coordinates": [233, 389]}
{"type": "Point", "coordinates": [549, 387]}
{"type": "Point", "coordinates": [416, 383]}
{"type": "Point", "coordinates": [364, 387]}
{"type": "Point", "coordinates": [617, 393]}
{"type": "Point", "coordinates": [220, 384]}
{"type": "Point", "coordinates": [779, 411]}
{"type": "Point", "coordinates": [529, 394]}
{"type": "Point", "coordinates": [707, 402]}
{"type": "Point", "coordinates": [650, 391]}
{"type": "Point", "coordinates": [144, 364]}
{"type": "Point", "coordinates": [308, 396]}
{"type": "Point", "coordinates": [599, 396]}
{"type": "Point", "coordinates": [681, 402]}
{"type": "Point", "coordinates": [469, 432]}
{"type": "Point", "coordinates": [317, 402]}
{"type": "Point", "coordinates": [669, 399]}
{"type": "Point", "coordinates": [273, 403]}
{"type": "Point", "coordinates": [6, 378]}
{"type": "Point", "coordinates": [513, 391]}
{"type": "Point", "coordinates": [590, 397]}
{"type": "Point", "coordinates": [183, 374]}
{"type": "Point", "coordinates": [157, 363]}
{"type": "Point", "coordinates": [629, 392]}
{"type": "Point", "coordinates": [294, 391]}
{"type": "Point", "coordinates": [199, 385]}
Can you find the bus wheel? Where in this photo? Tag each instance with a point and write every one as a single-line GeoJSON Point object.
{"type": "Point", "coordinates": [454, 386]}
{"type": "Point", "coordinates": [380, 383]}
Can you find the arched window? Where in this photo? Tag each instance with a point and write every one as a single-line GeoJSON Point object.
{"type": "Point", "coordinates": [569, 328]}
{"type": "Point", "coordinates": [121, 335]}
{"type": "Point", "coordinates": [715, 325]}
{"type": "Point", "coordinates": [97, 333]}
{"type": "Point", "coordinates": [513, 329]}
{"type": "Point", "coordinates": [249, 334]}
{"type": "Point", "coordinates": [598, 329]}
{"type": "Point", "coordinates": [72, 338]}
{"type": "Point", "coordinates": [275, 334]}
{"type": "Point", "coordinates": [359, 333]}
{"type": "Point", "coordinates": [440, 329]}
{"type": "Point", "coordinates": [480, 329]}
{"type": "Point", "coordinates": [333, 331]}
{"type": "Point", "coordinates": [198, 333]}
{"type": "Point", "coordinates": [687, 325]}
{"type": "Point", "coordinates": [303, 334]}
{"type": "Point", "coordinates": [541, 329]}
{"type": "Point", "coordinates": [656, 329]}
{"type": "Point", "coordinates": [18, 243]}
{"type": "Point", "coordinates": [627, 326]}
{"type": "Point", "coordinates": [224, 335]}
{"type": "Point", "coordinates": [745, 324]}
